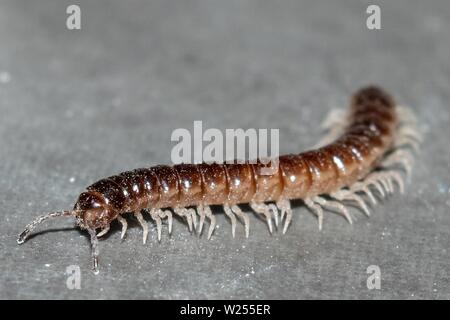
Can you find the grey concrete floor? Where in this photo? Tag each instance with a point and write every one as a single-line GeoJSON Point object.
{"type": "Point", "coordinates": [77, 106]}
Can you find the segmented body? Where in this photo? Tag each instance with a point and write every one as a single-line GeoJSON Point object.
{"type": "Point", "coordinates": [369, 134]}
{"type": "Point", "coordinates": [362, 147]}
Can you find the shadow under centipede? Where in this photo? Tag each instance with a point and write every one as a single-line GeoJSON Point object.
{"type": "Point", "coordinates": [297, 203]}
{"type": "Point", "coordinates": [43, 232]}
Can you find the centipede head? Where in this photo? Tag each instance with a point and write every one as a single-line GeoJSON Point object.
{"type": "Point", "coordinates": [90, 212]}
{"type": "Point", "coordinates": [78, 215]}
{"type": "Point", "coordinates": [93, 212]}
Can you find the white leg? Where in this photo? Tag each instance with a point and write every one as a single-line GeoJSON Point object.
{"type": "Point", "coordinates": [363, 186]}
{"type": "Point", "coordinates": [202, 214]}
{"type": "Point", "coordinates": [410, 131]}
{"type": "Point", "coordinates": [398, 179]}
{"type": "Point", "coordinates": [265, 210]}
{"type": "Point", "coordinates": [285, 207]}
{"type": "Point", "coordinates": [399, 157]}
{"type": "Point", "coordinates": [406, 115]}
{"type": "Point", "coordinates": [334, 205]}
{"type": "Point", "coordinates": [335, 123]}
{"type": "Point", "coordinates": [381, 178]}
{"type": "Point", "coordinates": [316, 209]}
{"type": "Point", "coordinates": [243, 217]}
{"type": "Point", "coordinates": [386, 177]}
{"type": "Point", "coordinates": [124, 224]}
{"type": "Point", "coordinates": [391, 186]}
{"type": "Point", "coordinates": [167, 213]}
{"type": "Point", "coordinates": [407, 142]}
{"type": "Point", "coordinates": [185, 213]}
{"type": "Point", "coordinates": [154, 213]}
{"type": "Point", "coordinates": [103, 232]}
{"type": "Point", "coordinates": [143, 224]}
{"type": "Point", "coordinates": [334, 117]}
{"type": "Point", "coordinates": [343, 195]}
{"type": "Point", "coordinates": [378, 185]}
{"type": "Point", "coordinates": [230, 215]}
{"type": "Point", "coordinates": [375, 179]}
{"type": "Point", "coordinates": [212, 219]}
{"type": "Point", "coordinates": [194, 217]}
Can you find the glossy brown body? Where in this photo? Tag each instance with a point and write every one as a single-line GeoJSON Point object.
{"type": "Point", "coordinates": [370, 132]}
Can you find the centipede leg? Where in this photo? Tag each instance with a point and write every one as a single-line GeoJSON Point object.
{"type": "Point", "coordinates": [334, 123]}
{"type": "Point", "coordinates": [330, 136]}
{"type": "Point", "coordinates": [334, 205]}
{"type": "Point", "coordinates": [166, 214]}
{"type": "Point", "coordinates": [185, 213]}
{"type": "Point", "coordinates": [265, 210]}
{"type": "Point", "coordinates": [243, 217]}
{"type": "Point", "coordinates": [285, 207]}
{"type": "Point", "coordinates": [408, 122]}
{"type": "Point", "coordinates": [364, 185]}
{"type": "Point", "coordinates": [347, 195]}
{"type": "Point", "coordinates": [408, 135]}
{"type": "Point", "coordinates": [395, 176]}
{"type": "Point", "coordinates": [230, 214]}
{"type": "Point", "coordinates": [274, 209]}
{"type": "Point", "coordinates": [335, 117]}
{"type": "Point", "coordinates": [124, 224]}
{"type": "Point", "coordinates": [143, 224]}
{"type": "Point", "coordinates": [154, 213]}
{"type": "Point", "coordinates": [317, 209]}
{"type": "Point", "coordinates": [361, 186]}
{"type": "Point", "coordinates": [383, 179]}
{"type": "Point", "coordinates": [94, 250]}
{"type": "Point", "coordinates": [390, 184]}
{"type": "Point", "coordinates": [406, 115]}
{"type": "Point", "coordinates": [202, 214]}
{"type": "Point", "coordinates": [410, 131]}
{"type": "Point", "coordinates": [194, 217]}
{"type": "Point", "coordinates": [399, 157]}
{"type": "Point", "coordinates": [104, 231]}
{"type": "Point", "coordinates": [212, 221]}
{"type": "Point", "coordinates": [387, 176]}
{"type": "Point", "coordinates": [377, 184]}
{"type": "Point", "coordinates": [407, 142]}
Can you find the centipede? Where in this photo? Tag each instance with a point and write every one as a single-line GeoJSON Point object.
{"type": "Point", "coordinates": [363, 158]}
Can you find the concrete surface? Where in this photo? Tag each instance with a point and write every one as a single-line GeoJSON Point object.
{"type": "Point", "coordinates": [80, 105]}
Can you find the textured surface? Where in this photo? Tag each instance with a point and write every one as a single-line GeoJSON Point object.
{"type": "Point", "coordinates": [80, 105]}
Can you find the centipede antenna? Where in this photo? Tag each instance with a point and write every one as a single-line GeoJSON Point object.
{"type": "Point", "coordinates": [30, 227]}
{"type": "Point", "coordinates": [94, 250]}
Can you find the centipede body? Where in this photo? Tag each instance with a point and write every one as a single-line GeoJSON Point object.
{"type": "Point", "coordinates": [361, 152]}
